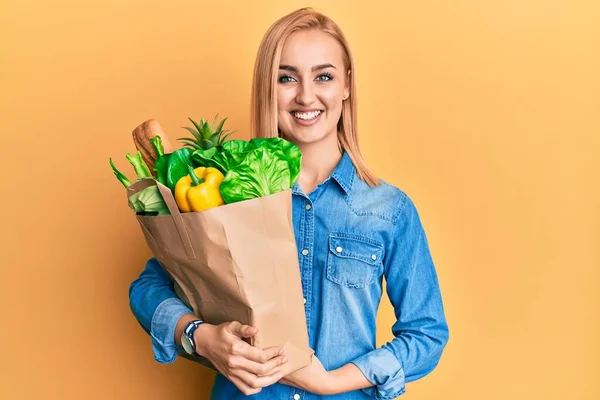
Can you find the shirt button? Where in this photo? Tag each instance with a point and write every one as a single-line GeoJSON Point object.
{"type": "Point", "coordinates": [308, 206]}
{"type": "Point", "coordinates": [373, 257]}
{"type": "Point", "coordinates": [305, 300]}
{"type": "Point", "coordinates": [304, 252]}
{"type": "Point", "coordinates": [338, 249]}
{"type": "Point", "coordinates": [296, 396]}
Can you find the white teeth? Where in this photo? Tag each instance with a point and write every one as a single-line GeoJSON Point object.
{"type": "Point", "coordinates": [306, 116]}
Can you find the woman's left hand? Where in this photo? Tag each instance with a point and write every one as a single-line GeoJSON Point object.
{"type": "Point", "coordinates": [312, 378]}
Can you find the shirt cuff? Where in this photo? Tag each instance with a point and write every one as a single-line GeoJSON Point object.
{"type": "Point", "coordinates": [384, 371]}
{"type": "Point", "coordinates": [162, 332]}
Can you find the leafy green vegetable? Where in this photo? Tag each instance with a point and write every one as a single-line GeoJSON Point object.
{"type": "Point", "coordinates": [177, 166]}
{"type": "Point", "coordinates": [288, 151]}
{"type": "Point", "coordinates": [260, 174]}
{"type": "Point", "coordinates": [139, 167]}
{"type": "Point", "coordinates": [148, 201]}
{"type": "Point", "coordinates": [233, 152]}
{"type": "Point", "coordinates": [158, 145]}
{"type": "Point", "coordinates": [206, 158]}
{"type": "Point", "coordinates": [161, 167]}
{"type": "Point", "coordinates": [254, 168]}
{"type": "Point", "coordinates": [122, 178]}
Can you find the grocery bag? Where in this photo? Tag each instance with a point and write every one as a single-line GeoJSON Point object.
{"type": "Point", "coordinates": [235, 262]}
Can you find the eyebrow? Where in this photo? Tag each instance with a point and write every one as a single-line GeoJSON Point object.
{"type": "Point", "coordinates": [315, 68]}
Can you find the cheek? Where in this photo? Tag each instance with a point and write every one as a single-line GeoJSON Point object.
{"type": "Point", "coordinates": [332, 97]}
{"type": "Point", "coordinates": [284, 98]}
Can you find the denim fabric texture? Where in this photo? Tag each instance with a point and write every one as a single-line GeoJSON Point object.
{"type": "Point", "coordinates": [350, 238]}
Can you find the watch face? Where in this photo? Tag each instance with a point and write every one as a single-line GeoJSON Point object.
{"type": "Point", "coordinates": [187, 345]}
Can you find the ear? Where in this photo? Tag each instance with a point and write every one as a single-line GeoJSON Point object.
{"type": "Point", "coordinates": [347, 86]}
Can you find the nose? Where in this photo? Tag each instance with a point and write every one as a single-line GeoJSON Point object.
{"type": "Point", "coordinates": [306, 95]}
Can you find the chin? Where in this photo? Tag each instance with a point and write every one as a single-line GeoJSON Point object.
{"type": "Point", "coordinates": [306, 136]}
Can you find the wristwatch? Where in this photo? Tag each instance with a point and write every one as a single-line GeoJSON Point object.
{"type": "Point", "coordinates": [187, 337]}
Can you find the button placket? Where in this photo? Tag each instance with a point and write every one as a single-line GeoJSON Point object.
{"type": "Point", "coordinates": [307, 253]}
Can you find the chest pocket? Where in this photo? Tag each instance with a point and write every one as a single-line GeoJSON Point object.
{"type": "Point", "coordinates": [353, 261]}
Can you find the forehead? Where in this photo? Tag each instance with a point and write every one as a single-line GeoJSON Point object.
{"type": "Point", "coordinates": [311, 47]}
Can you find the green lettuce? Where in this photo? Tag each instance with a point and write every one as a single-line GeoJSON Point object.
{"type": "Point", "coordinates": [261, 173]}
{"type": "Point", "coordinates": [254, 168]}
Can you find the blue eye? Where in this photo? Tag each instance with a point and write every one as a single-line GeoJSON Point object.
{"type": "Point", "coordinates": [285, 78]}
{"type": "Point", "coordinates": [324, 77]}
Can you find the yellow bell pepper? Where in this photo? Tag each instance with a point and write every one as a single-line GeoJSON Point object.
{"type": "Point", "coordinates": [199, 190]}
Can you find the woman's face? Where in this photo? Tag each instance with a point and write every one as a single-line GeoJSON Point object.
{"type": "Point", "coordinates": [311, 86]}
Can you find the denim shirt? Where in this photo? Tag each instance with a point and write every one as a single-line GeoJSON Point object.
{"type": "Point", "coordinates": [349, 236]}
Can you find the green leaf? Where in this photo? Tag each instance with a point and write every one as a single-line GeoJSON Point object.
{"type": "Point", "coordinates": [190, 142]}
{"type": "Point", "coordinates": [206, 133]}
{"type": "Point", "coordinates": [139, 166]}
{"type": "Point", "coordinates": [205, 158]}
{"type": "Point", "coordinates": [178, 166]}
{"type": "Point", "coordinates": [161, 167]}
{"type": "Point", "coordinates": [192, 131]}
{"type": "Point", "coordinates": [225, 137]}
{"type": "Point", "coordinates": [237, 146]}
{"type": "Point", "coordinates": [214, 137]}
{"type": "Point", "coordinates": [283, 149]}
{"type": "Point", "coordinates": [122, 178]}
{"type": "Point", "coordinates": [198, 126]}
{"type": "Point", "coordinates": [214, 121]}
{"type": "Point", "coordinates": [220, 127]}
{"type": "Point", "coordinates": [261, 173]}
{"type": "Point", "coordinates": [207, 143]}
{"type": "Point", "coordinates": [158, 145]}
{"type": "Point", "coordinates": [151, 201]}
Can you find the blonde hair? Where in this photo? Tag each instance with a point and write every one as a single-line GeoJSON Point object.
{"type": "Point", "coordinates": [264, 85]}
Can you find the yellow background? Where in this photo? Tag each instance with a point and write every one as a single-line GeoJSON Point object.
{"type": "Point", "coordinates": [485, 113]}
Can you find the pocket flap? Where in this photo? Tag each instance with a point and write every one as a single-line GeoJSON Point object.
{"type": "Point", "coordinates": [357, 247]}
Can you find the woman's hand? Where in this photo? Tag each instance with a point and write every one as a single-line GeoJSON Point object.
{"type": "Point", "coordinates": [247, 367]}
{"type": "Point", "coordinates": [313, 378]}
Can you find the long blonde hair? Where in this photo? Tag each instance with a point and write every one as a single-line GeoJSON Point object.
{"type": "Point", "coordinates": [264, 85]}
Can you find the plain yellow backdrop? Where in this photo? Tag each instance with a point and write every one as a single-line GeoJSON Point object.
{"type": "Point", "coordinates": [485, 113]}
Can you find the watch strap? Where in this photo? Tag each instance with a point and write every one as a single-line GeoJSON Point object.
{"type": "Point", "coordinates": [190, 329]}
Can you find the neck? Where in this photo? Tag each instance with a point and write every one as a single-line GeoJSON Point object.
{"type": "Point", "coordinates": [318, 162]}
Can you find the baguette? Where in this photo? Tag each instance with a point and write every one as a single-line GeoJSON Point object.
{"type": "Point", "coordinates": [141, 138]}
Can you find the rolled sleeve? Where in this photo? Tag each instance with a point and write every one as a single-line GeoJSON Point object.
{"type": "Point", "coordinates": [162, 331]}
{"type": "Point", "coordinates": [420, 330]}
{"type": "Point", "coordinates": [157, 309]}
{"type": "Point", "coordinates": [384, 371]}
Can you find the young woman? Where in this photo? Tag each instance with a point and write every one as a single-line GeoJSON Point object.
{"type": "Point", "coordinates": [352, 230]}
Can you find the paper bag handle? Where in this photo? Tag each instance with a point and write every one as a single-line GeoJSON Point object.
{"type": "Point", "coordinates": [177, 219]}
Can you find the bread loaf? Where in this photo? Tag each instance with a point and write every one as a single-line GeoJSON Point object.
{"type": "Point", "coordinates": [141, 138]}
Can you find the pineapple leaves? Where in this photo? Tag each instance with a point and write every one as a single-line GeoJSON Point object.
{"type": "Point", "coordinates": [220, 127]}
{"type": "Point", "coordinates": [206, 136]}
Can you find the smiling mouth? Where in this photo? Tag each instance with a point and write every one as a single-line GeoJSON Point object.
{"type": "Point", "coordinates": [306, 116]}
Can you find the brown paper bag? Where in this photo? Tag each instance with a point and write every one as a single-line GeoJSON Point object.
{"type": "Point", "coordinates": [235, 262]}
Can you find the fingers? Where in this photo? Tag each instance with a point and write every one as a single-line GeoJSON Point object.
{"type": "Point", "coordinates": [250, 368]}
{"type": "Point", "coordinates": [241, 330]}
{"type": "Point", "coordinates": [253, 382]}
{"type": "Point", "coordinates": [247, 390]}
{"type": "Point", "coordinates": [260, 369]}
{"type": "Point", "coordinates": [256, 354]}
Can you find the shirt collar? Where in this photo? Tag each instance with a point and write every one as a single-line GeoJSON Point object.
{"type": "Point", "coordinates": [343, 174]}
